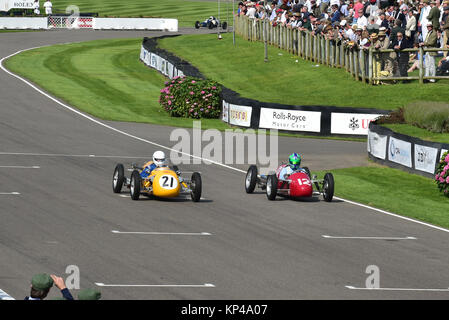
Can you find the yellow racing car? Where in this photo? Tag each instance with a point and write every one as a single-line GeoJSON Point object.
{"type": "Point", "coordinates": [163, 182]}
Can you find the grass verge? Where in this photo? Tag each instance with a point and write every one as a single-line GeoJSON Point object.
{"type": "Point", "coordinates": [106, 79]}
{"type": "Point", "coordinates": [283, 80]}
{"type": "Point", "coordinates": [422, 134]}
{"type": "Point", "coordinates": [393, 190]}
{"type": "Point", "coordinates": [186, 11]}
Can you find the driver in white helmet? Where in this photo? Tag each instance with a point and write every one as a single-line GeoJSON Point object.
{"type": "Point", "coordinates": [158, 161]}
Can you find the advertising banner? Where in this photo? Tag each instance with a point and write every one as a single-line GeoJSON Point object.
{"type": "Point", "coordinates": [154, 58]}
{"type": "Point", "coordinates": [351, 123]}
{"type": "Point", "coordinates": [400, 152]}
{"type": "Point", "coordinates": [377, 145]}
{"type": "Point", "coordinates": [6, 5]}
{"type": "Point", "coordinates": [425, 158]}
{"type": "Point", "coordinates": [240, 115]}
{"type": "Point", "coordinates": [225, 112]}
{"type": "Point", "coordinates": [292, 120]}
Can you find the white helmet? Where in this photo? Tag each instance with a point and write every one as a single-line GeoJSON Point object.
{"type": "Point", "coordinates": [159, 158]}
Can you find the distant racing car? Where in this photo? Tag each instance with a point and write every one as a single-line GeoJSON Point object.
{"type": "Point", "coordinates": [211, 23]}
{"type": "Point", "coordinates": [297, 185]}
{"type": "Point", "coordinates": [163, 182]}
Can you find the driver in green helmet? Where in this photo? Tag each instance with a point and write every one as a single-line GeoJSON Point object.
{"type": "Point", "coordinates": [294, 162]}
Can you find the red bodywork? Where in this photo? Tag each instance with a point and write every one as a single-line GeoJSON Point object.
{"type": "Point", "coordinates": [299, 185]}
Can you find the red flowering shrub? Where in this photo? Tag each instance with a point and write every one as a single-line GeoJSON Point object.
{"type": "Point", "coordinates": [189, 97]}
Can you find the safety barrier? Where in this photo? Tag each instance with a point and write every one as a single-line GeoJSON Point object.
{"type": "Point", "coordinates": [404, 152]}
{"type": "Point", "coordinates": [23, 23]}
{"type": "Point", "coordinates": [243, 112]}
{"type": "Point", "coordinates": [74, 22]}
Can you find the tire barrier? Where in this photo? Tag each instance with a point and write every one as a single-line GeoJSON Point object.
{"type": "Point", "coordinates": [404, 152]}
{"type": "Point", "coordinates": [249, 113]}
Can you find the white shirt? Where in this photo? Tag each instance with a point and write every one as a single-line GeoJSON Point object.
{"type": "Point", "coordinates": [251, 12]}
{"type": "Point", "coordinates": [362, 22]}
{"type": "Point", "coordinates": [47, 6]}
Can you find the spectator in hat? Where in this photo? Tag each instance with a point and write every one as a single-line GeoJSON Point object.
{"type": "Point", "coordinates": [430, 42]}
{"type": "Point", "coordinates": [434, 15]}
{"type": "Point", "coordinates": [89, 294]}
{"type": "Point", "coordinates": [386, 60]}
{"type": "Point", "coordinates": [41, 285]}
{"type": "Point", "coordinates": [382, 21]}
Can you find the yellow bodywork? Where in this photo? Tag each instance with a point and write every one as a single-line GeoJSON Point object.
{"type": "Point", "coordinates": [165, 183]}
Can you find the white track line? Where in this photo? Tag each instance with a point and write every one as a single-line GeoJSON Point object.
{"type": "Point", "coordinates": [9, 193]}
{"type": "Point", "coordinates": [20, 167]}
{"type": "Point", "coordinates": [369, 238]}
{"type": "Point", "coordinates": [393, 214]}
{"type": "Point", "coordinates": [67, 155]}
{"type": "Point", "coordinates": [205, 285]}
{"type": "Point", "coordinates": [5, 296]}
{"type": "Point", "coordinates": [164, 233]}
{"type": "Point", "coordinates": [170, 149]}
{"type": "Point", "coordinates": [397, 289]}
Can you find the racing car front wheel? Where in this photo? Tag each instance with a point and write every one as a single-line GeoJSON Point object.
{"type": "Point", "coordinates": [118, 178]}
{"type": "Point", "coordinates": [197, 25]}
{"type": "Point", "coordinates": [224, 25]}
{"type": "Point", "coordinates": [196, 186]}
{"type": "Point", "coordinates": [135, 184]}
{"type": "Point", "coordinates": [251, 179]}
{"type": "Point", "coordinates": [328, 187]}
{"type": "Point", "coordinates": [272, 187]}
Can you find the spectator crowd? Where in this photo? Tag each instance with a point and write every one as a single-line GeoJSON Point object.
{"type": "Point", "coordinates": [380, 24]}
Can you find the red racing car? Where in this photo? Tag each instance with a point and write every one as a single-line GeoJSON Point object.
{"type": "Point", "coordinates": [299, 184]}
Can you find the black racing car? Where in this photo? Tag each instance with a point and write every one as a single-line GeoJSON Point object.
{"type": "Point", "coordinates": [211, 23]}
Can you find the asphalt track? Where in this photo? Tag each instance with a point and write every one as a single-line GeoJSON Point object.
{"type": "Point", "coordinates": [256, 249]}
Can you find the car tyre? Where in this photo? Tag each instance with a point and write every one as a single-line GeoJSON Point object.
{"type": "Point", "coordinates": [135, 185]}
{"type": "Point", "coordinates": [251, 179]}
{"type": "Point", "coordinates": [272, 187]}
{"type": "Point", "coordinates": [197, 25]}
{"type": "Point", "coordinates": [118, 178]}
{"type": "Point", "coordinates": [196, 187]}
{"type": "Point", "coordinates": [224, 25]}
{"type": "Point", "coordinates": [328, 187]}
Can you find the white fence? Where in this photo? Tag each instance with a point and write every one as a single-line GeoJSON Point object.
{"type": "Point", "coordinates": [23, 23]}
{"type": "Point", "coordinates": [71, 22]}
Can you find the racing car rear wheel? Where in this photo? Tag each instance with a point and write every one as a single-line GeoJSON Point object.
{"type": "Point", "coordinates": [210, 25]}
{"type": "Point", "coordinates": [135, 184]}
{"type": "Point", "coordinates": [197, 25]}
{"type": "Point", "coordinates": [224, 25]}
{"type": "Point", "coordinates": [251, 179]}
{"type": "Point", "coordinates": [328, 187]}
{"type": "Point", "coordinates": [196, 187]}
{"type": "Point", "coordinates": [272, 187]}
{"type": "Point", "coordinates": [118, 178]}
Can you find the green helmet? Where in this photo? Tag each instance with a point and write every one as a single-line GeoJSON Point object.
{"type": "Point", "coordinates": [294, 161]}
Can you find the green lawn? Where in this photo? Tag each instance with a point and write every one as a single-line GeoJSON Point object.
{"type": "Point", "coordinates": [186, 11]}
{"type": "Point", "coordinates": [104, 78]}
{"type": "Point", "coordinates": [418, 132]}
{"type": "Point", "coordinates": [283, 80]}
{"type": "Point", "coordinates": [393, 190]}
